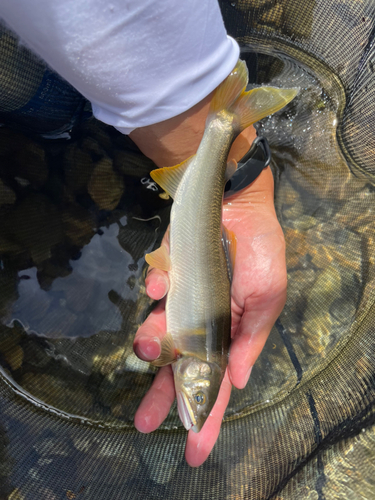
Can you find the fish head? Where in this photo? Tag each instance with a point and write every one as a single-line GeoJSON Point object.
{"type": "Point", "coordinates": [197, 385]}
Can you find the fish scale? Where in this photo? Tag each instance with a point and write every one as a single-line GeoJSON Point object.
{"type": "Point", "coordinates": [190, 302]}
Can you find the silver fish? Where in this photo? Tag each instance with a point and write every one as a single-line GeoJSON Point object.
{"type": "Point", "coordinates": [198, 301]}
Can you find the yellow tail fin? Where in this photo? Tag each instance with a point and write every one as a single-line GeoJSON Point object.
{"type": "Point", "coordinates": [251, 106]}
{"type": "Point", "coordinates": [254, 105]}
{"type": "Point", "coordinates": [228, 91]}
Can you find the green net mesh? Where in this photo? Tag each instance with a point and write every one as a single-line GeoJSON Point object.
{"type": "Point", "coordinates": [77, 217]}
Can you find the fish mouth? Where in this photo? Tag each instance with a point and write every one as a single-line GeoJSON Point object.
{"type": "Point", "coordinates": [185, 411]}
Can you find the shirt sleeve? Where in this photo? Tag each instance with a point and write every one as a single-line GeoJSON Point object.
{"type": "Point", "coordinates": [139, 62]}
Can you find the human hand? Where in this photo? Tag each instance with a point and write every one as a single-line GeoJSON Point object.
{"type": "Point", "coordinates": [258, 296]}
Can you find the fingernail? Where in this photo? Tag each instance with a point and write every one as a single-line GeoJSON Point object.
{"type": "Point", "coordinates": [247, 376]}
{"type": "Point", "coordinates": [163, 283]}
{"type": "Point", "coordinates": [147, 348]}
{"type": "Point", "coordinates": [158, 288]}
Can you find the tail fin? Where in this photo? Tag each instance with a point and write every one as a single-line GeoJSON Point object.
{"type": "Point", "coordinates": [229, 90]}
{"type": "Point", "coordinates": [254, 105]}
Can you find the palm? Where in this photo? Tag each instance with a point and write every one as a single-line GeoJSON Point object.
{"type": "Point", "coordinates": [259, 282]}
{"type": "Point", "coordinates": [258, 295]}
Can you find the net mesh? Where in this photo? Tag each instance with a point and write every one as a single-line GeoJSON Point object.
{"type": "Point", "coordinates": [77, 217]}
{"type": "Point", "coordinates": [34, 98]}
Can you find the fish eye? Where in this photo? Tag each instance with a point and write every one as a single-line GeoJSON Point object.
{"type": "Point", "coordinates": [200, 398]}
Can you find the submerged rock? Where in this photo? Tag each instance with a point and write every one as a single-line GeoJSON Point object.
{"type": "Point", "coordinates": [106, 187]}
{"type": "Point", "coordinates": [35, 224]}
{"type": "Point", "coordinates": [7, 195]}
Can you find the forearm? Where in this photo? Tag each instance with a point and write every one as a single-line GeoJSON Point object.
{"type": "Point", "coordinates": [139, 62]}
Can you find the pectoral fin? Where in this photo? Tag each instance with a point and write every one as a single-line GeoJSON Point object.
{"type": "Point", "coordinates": [230, 247]}
{"type": "Point", "coordinates": [169, 178]}
{"type": "Point", "coordinates": [231, 169]}
{"type": "Point", "coordinates": [159, 259]}
{"type": "Point", "coordinates": [168, 352]}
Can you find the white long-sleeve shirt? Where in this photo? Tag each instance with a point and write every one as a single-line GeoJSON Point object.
{"type": "Point", "coordinates": [139, 62]}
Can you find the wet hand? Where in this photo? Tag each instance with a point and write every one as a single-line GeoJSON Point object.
{"type": "Point", "coordinates": [258, 296]}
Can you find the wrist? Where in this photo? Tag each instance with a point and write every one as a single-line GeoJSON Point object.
{"type": "Point", "coordinates": [257, 197]}
{"type": "Point", "coordinates": [172, 141]}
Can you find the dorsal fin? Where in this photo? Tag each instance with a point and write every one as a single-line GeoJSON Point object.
{"type": "Point", "coordinates": [169, 178]}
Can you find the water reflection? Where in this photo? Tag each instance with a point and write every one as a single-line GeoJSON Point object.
{"type": "Point", "coordinates": [77, 305]}
{"type": "Point", "coordinates": [74, 229]}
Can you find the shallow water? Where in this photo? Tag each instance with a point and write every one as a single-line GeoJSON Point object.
{"type": "Point", "coordinates": [72, 270]}
{"type": "Point", "coordinates": [77, 220]}
{"type": "Point", "coordinates": [83, 281]}
{"type": "Point", "coordinates": [316, 193]}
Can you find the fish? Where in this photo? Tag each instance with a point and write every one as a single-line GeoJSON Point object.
{"type": "Point", "coordinates": [202, 251]}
